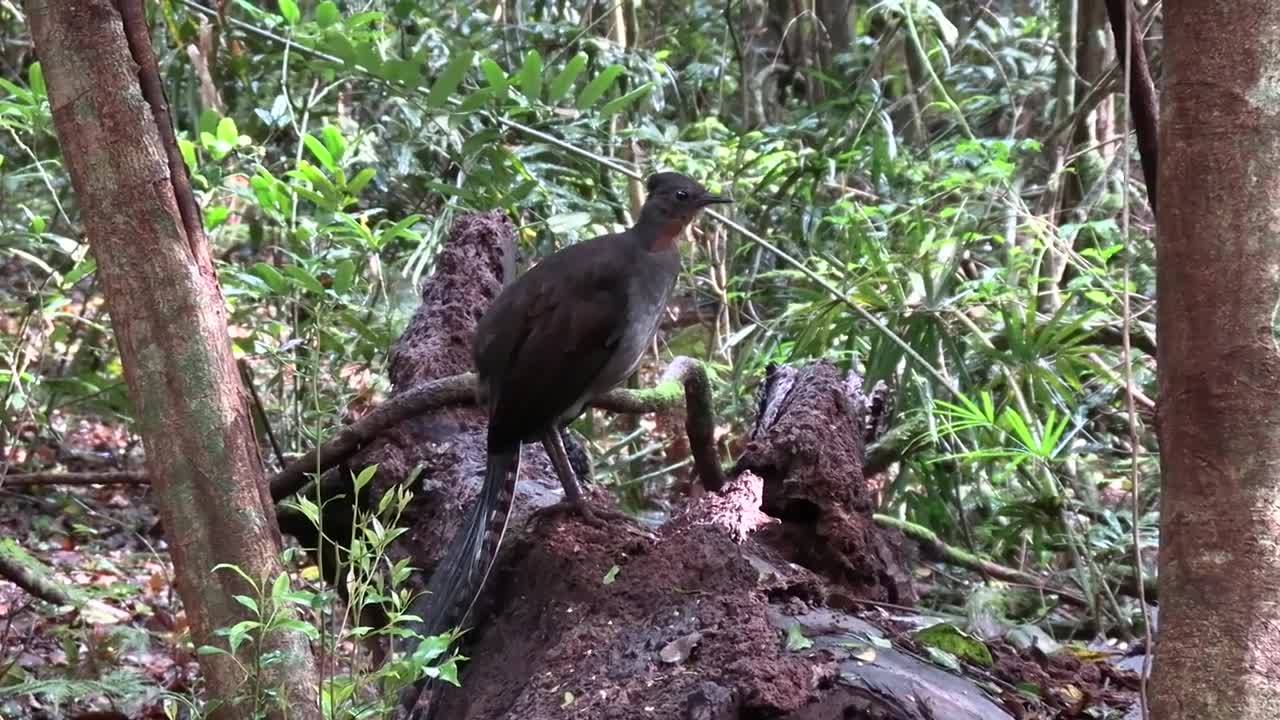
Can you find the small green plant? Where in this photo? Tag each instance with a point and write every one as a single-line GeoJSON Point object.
{"type": "Point", "coordinates": [271, 611]}
{"type": "Point", "coordinates": [375, 611]}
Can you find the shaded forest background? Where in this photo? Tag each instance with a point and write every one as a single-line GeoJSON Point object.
{"type": "Point", "coordinates": [945, 194]}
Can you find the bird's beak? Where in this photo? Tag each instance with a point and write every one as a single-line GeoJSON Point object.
{"type": "Point", "coordinates": [710, 199]}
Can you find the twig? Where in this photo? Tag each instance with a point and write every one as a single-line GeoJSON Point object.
{"type": "Point", "coordinates": [110, 477]}
{"type": "Point", "coordinates": [1144, 109]}
{"type": "Point", "coordinates": [138, 35]}
{"type": "Point", "coordinates": [700, 415]}
{"type": "Point", "coordinates": [684, 382]}
{"type": "Point", "coordinates": [452, 390]}
{"type": "Point", "coordinates": [27, 579]}
{"type": "Point", "coordinates": [246, 377]}
{"type": "Point", "coordinates": [1139, 89]}
{"type": "Point", "coordinates": [941, 551]}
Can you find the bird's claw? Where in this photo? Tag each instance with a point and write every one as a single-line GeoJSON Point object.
{"type": "Point", "coordinates": [593, 516]}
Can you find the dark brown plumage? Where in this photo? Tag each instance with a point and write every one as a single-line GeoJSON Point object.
{"type": "Point", "coordinates": [572, 327]}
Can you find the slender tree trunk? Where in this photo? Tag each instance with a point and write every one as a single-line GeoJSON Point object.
{"type": "Point", "coordinates": [169, 320]}
{"type": "Point", "coordinates": [1094, 54]}
{"type": "Point", "coordinates": [1218, 655]}
{"type": "Point", "coordinates": [835, 35]}
{"type": "Point", "coordinates": [1064, 103]}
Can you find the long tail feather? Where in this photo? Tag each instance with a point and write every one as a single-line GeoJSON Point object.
{"type": "Point", "coordinates": [462, 572]}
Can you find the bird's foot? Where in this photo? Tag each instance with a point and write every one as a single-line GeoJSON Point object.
{"type": "Point", "coordinates": [602, 518]}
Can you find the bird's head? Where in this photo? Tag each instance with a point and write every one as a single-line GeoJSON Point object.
{"type": "Point", "coordinates": [673, 201]}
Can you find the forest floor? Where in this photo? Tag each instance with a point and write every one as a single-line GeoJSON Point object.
{"type": "Point", "coordinates": [125, 654]}
{"type": "Point", "coordinates": [121, 653]}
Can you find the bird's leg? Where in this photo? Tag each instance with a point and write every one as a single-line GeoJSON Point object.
{"type": "Point", "coordinates": [573, 499]}
{"type": "Point", "coordinates": [553, 443]}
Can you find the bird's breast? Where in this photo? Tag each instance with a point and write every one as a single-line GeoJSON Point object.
{"type": "Point", "coordinates": [648, 289]}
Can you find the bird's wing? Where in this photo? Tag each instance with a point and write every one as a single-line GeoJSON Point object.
{"type": "Point", "coordinates": [569, 332]}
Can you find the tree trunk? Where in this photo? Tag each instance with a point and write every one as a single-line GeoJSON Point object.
{"type": "Point", "coordinates": [169, 320]}
{"type": "Point", "coordinates": [1218, 654]}
{"type": "Point", "coordinates": [1094, 55]}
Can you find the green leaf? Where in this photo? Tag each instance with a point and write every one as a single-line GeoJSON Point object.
{"type": "Point", "coordinates": [361, 179]}
{"type": "Point", "coordinates": [308, 194]}
{"type": "Point", "coordinates": [208, 122]}
{"type": "Point", "coordinates": [320, 152]}
{"type": "Point", "coordinates": [370, 56]}
{"type": "Point", "coordinates": [326, 13]}
{"type": "Point", "coordinates": [263, 186]}
{"type": "Point", "coordinates": [403, 71]}
{"type": "Point", "coordinates": [619, 103]}
{"type": "Point", "coordinates": [475, 101]}
{"type": "Point", "coordinates": [313, 175]}
{"type": "Point", "coordinates": [188, 150]}
{"type": "Point", "coordinates": [35, 79]}
{"type": "Point", "coordinates": [365, 476]}
{"type": "Point", "coordinates": [280, 586]}
{"type": "Point", "coordinates": [1028, 688]}
{"type": "Point", "coordinates": [479, 141]}
{"type": "Point", "coordinates": [496, 78]}
{"type": "Point", "coordinates": [516, 194]}
{"type": "Point", "coordinates": [400, 229]}
{"type": "Point", "coordinates": [338, 44]}
{"type": "Point", "coordinates": [945, 28]}
{"type": "Point", "coordinates": [564, 81]}
{"type": "Point", "coordinates": [333, 141]}
{"type": "Point", "coordinates": [530, 75]}
{"type": "Point", "coordinates": [564, 222]}
{"type": "Point", "coordinates": [20, 93]}
{"type": "Point", "coordinates": [431, 648]}
{"type": "Point", "coordinates": [611, 576]}
{"type": "Point", "coordinates": [953, 641]}
{"type": "Point", "coordinates": [448, 82]}
{"type": "Point", "coordinates": [943, 658]}
{"type": "Point", "coordinates": [227, 132]}
{"type": "Point", "coordinates": [304, 279]}
{"type": "Point", "coordinates": [299, 626]}
{"type": "Point", "coordinates": [1019, 429]}
{"type": "Point", "coordinates": [448, 671]}
{"type": "Point", "coordinates": [82, 268]}
{"type": "Point", "coordinates": [289, 9]}
{"type": "Point", "coordinates": [16, 91]}
{"type": "Point", "coordinates": [271, 277]}
{"type": "Point", "coordinates": [598, 86]}
{"type": "Point", "coordinates": [217, 149]}
{"type": "Point", "coordinates": [215, 215]}
{"type": "Point", "coordinates": [796, 640]}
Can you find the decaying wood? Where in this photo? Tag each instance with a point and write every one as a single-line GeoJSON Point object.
{"type": "Point", "coordinates": [25, 572]}
{"type": "Point", "coordinates": [686, 619]}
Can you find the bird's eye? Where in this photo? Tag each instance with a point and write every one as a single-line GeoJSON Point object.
{"type": "Point", "coordinates": [682, 195]}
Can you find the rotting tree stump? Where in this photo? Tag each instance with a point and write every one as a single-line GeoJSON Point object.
{"type": "Point", "coordinates": [695, 621]}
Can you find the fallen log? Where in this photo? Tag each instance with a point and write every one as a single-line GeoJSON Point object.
{"type": "Point", "coordinates": [739, 605]}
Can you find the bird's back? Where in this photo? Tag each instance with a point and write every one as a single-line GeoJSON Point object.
{"type": "Point", "coordinates": [573, 325]}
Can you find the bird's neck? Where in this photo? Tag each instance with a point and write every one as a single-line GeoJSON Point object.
{"type": "Point", "coordinates": [659, 234]}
